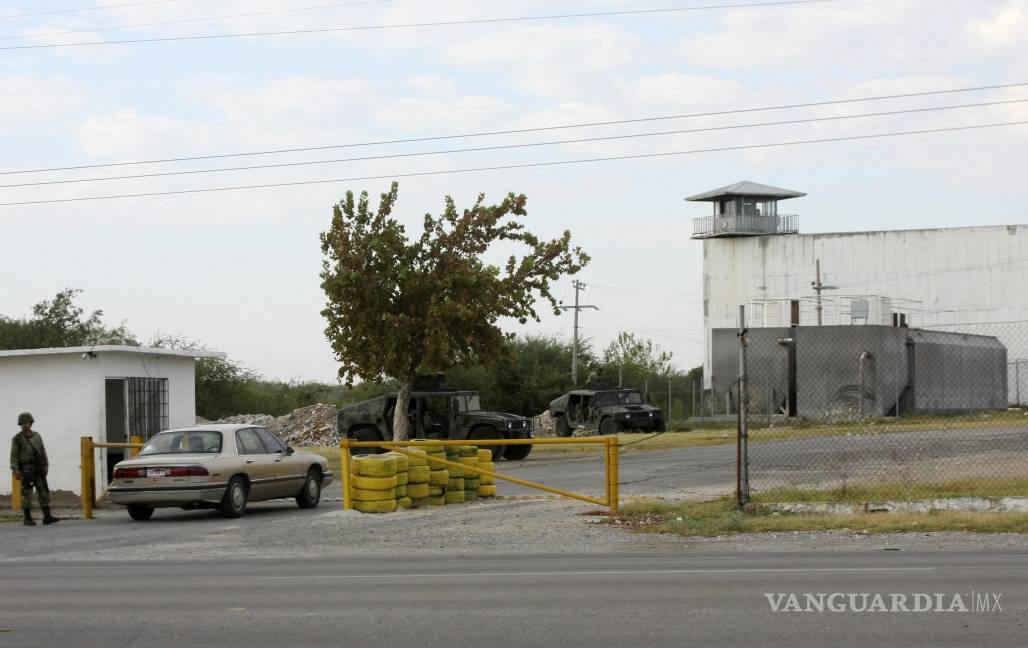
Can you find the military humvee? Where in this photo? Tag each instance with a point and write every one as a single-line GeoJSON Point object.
{"type": "Point", "coordinates": [437, 412]}
{"type": "Point", "coordinates": [606, 411]}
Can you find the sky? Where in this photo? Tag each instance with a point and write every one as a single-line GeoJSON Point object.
{"type": "Point", "coordinates": [238, 270]}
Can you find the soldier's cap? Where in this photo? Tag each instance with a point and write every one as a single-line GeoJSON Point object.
{"type": "Point", "coordinates": [25, 417]}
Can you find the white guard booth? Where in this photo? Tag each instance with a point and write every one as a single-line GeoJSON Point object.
{"type": "Point", "coordinates": [107, 392]}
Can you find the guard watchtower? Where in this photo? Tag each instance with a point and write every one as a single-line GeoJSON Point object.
{"type": "Point", "coordinates": [744, 209]}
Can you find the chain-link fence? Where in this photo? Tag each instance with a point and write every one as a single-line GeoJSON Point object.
{"type": "Point", "coordinates": [897, 412]}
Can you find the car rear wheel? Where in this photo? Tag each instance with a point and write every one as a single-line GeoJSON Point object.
{"type": "Point", "coordinates": [233, 503]}
{"type": "Point", "coordinates": [488, 432]}
{"type": "Point", "coordinates": [366, 434]}
{"type": "Point", "coordinates": [608, 427]}
{"type": "Point", "coordinates": [563, 427]}
{"type": "Point", "coordinates": [516, 452]}
{"type": "Point", "coordinates": [140, 512]}
{"type": "Point", "coordinates": [310, 495]}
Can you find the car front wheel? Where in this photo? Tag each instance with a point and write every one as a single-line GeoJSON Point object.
{"type": "Point", "coordinates": [233, 504]}
{"type": "Point", "coordinates": [140, 512]}
{"type": "Point", "coordinates": [309, 497]}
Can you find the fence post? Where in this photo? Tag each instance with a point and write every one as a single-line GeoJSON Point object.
{"type": "Point", "coordinates": [344, 468]}
{"type": "Point", "coordinates": [15, 492]}
{"type": "Point", "coordinates": [88, 485]}
{"type": "Point", "coordinates": [613, 477]}
{"type": "Point", "coordinates": [135, 451]}
{"type": "Point", "coordinates": [742, 458]}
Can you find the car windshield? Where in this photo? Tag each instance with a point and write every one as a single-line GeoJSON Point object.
{"type": "Point", "coordinates": [628, 397]}
{"type": "Point", "coordinates": [186, 441]}
{"type": "Point", "coordinates": [466, 402]}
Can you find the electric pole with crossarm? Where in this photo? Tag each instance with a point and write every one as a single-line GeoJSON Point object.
{"type": "Point", "coordinates": [578, 286]}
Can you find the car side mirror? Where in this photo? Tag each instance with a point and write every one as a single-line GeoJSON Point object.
{"type": "Point", "coordinates": [289, 450]}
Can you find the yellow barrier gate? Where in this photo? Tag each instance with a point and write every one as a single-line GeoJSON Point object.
{"type": "Point", "coordinates": [611, 460]}
{"type": "Point", "coordinates": [88, 466]}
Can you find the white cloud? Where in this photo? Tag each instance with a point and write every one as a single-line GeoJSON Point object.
{"type": "Point", "coordinates": [31, 100]}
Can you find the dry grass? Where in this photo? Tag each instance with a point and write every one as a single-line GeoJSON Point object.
{"type": "Point", "coordinates": [722, 517]}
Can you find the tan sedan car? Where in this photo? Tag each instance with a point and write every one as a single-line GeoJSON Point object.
{"type": "Point", "coordinates": [216, 466]}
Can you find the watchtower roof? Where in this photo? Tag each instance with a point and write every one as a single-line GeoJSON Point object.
{"type": "Point", "coordinates": [746, 188]}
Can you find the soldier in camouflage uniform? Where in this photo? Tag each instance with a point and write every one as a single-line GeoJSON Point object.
{"type": "Point", "coordinates": [30, 465]}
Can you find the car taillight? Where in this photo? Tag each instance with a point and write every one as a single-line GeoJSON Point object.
{"type": "Point", "coordinates": [129, 473]}
{"type": "Point", "coordinates": [187, 471]}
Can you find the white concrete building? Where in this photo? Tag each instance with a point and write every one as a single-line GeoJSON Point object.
{"type": "Point", "coordinates": [970, 279]}
{"type": "Point", "coordinates": [107, 392]}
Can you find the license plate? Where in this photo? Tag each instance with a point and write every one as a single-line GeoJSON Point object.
{"type": "Point", "coordinates": [155, 472]}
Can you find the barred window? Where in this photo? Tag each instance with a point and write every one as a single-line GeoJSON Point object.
{"type": "Point", "coordinates": [147, 406]}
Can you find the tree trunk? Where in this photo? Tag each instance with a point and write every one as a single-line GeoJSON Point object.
{"type": "Point", "coordinates": [400, 421]}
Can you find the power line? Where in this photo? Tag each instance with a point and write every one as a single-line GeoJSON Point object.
{"type": "Point", "coordinates": [189, 20]}
{"type": "Point", "coordinates": [504, 167]}
{"type": "Point", "coordinates": [412, 140]}
{"type": "Point", "coordinates": [498, 147]}
{"type": "Point", "coordinates": [440, 23]}
{"type": "Point", "coordinates": [81, 9]}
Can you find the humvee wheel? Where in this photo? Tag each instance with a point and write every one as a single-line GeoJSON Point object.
{"type": "Point", "coordinates": [608, 427]}
{"type": "Point", "coordinates": [516, 452]}
{"type": "Point", "coordinates": [490, 433]}
{"type": "Point", "coordinates": [366, 434]}
{"type": "Point", "coordinates": [563, 427]}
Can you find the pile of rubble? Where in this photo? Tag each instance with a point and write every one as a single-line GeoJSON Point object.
{"type": "Point", "coordinates": [544, 425]}
{"type": "Point", "coordinates": [315, 425]}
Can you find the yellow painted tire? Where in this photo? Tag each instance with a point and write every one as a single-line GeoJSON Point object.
{"type": "Point", "coordinates": [429, 447]}
{"type": "Point", "coordinates": [373, 495]}
{"type": "Point", "coordinates": [419, 475]}
{"type": "Point", "coordinates": [456, 483]}
{"type": "Point", "coordinates": [373, 465]}
{"type": "Point", "coordinates": [402, 478]}
{"type": "Point", "coordinates": [374, 483]}
{"type": "Point", "coordinates": [470, 495]}
{"type": "Point", "coordinates": [401, 491]}
{"type": "Point", "coordinates": [439, 477]}
{"type": "Point", "coordinates": [418, 491]}
{"type": "Point", "coordinates": [491, 467]}
{"type": "Point", "coordinates": [383, 506]}
{"type": "Point", "coordinates": [418, 503]}
{"type": "Point", "coordinates": [401, 460]}
{"type": "Point", "coordinates": [468, 451]}
{"type": "Point", "coordinates": [471, 483]}
{"type": "Point", "coordinates": [468, 461]}
{"type": "Point", "coordinates": [486, 491]}
{"type": "Point", "coordinates": [421, 459]}
{"type": "Point", "coordinates": [436, 501]}
{"type": "Point", "coordinates": [485, 456]}
{"type": "Point", "coordinates": [436, 491]}
{"type": "Point", "coordinates": [454, 497]}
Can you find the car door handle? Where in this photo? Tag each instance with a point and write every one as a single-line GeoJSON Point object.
{"type": "Point", "coordinates": [249, 461]}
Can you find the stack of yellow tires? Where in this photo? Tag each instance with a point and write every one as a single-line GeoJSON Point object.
{"type": "Point", "coordinates": [418, 478]}
{"type": "Point", "coordinates": [438, 476]}
{"type": "Point", "coordinates": [402, 476]}
{"type": "Point", "coordinates": [468, 456]}
{"type": "Point", "coordinates": [373, 483]}
{"type": "Point", "coordinates": [487, 485]}
{"type": "Point", "coordinates": [454, 493]}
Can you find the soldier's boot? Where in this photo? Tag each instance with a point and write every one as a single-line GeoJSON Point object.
{"type": "Point", "coordinates": [28, 521]}
{"type": "Point", "coordinates": [47, 518]}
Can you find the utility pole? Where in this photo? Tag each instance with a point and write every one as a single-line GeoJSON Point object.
{"type": "Point", "coordinates": [578, 286]}
{"type": "Point", "coordinates": [818, 287]}
{"type": "Point", "coordinates": [742, 460]}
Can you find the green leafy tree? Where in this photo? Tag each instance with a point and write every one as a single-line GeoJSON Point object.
{"type": "Point", "coordinates": [637, 358]}
{"type": "Point", "coordinates": [60, 323]}
{"type": "Point", "coordinates": [399, 304]}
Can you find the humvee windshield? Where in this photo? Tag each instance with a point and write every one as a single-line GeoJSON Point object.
{"type": "Point", "coordinates": [466, 403]}
{"type": "Point", "coordinates": [627, 397]}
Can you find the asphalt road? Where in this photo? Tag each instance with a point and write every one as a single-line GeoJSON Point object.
{"type": "Point", "coordinates": [587, 600]}
{"type": "Point", "coordinates": [875, 456]}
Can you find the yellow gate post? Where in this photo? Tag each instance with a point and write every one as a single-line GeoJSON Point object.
{"type": "Point", "coordinates": [138, 441]}
{"type": "Point", "coordinates": [344, 467]}
{"type": "Point", "coordinates": [612, 475]}
{"type": "Point", "coordinates": [15, 492]}
{"type": "Point", "coordinates": [88, 485]}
